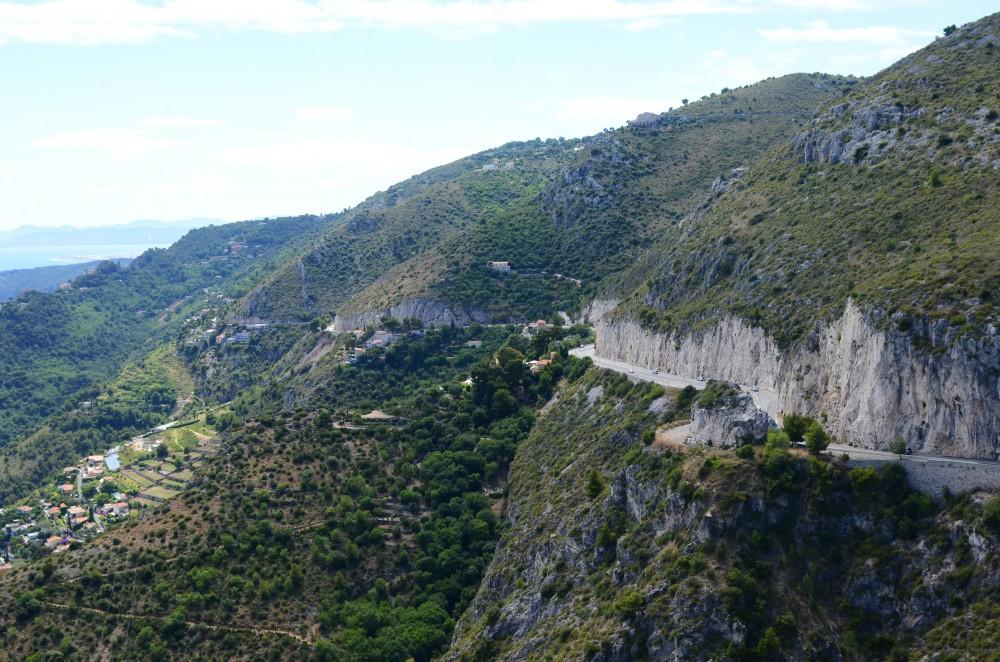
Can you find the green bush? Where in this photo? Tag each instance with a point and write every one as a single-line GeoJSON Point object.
{"type": "Point", "coordinates": [816, 438]}
{"type": "Point", "coordinates": [991, 512]}
{"type": "Point", "coordinates": [629, 604]}
{"type": "Point", "coordinates": [897, 446]}
{"type": "Point", "coordinates": [796, 426]}
{"type": "Point", "coordinates": [595, 484]}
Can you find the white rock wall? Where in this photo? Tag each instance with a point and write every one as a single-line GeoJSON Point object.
{"type": "Point", "coordinates": [428, 311]}
{"type": "Point", "coordinates": [869, 386]}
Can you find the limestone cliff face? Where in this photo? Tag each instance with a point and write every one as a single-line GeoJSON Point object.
{"type": "Point", "coordinates": [429, 311]}
{"type": "Point", "coordinates": [733, 421]}
{"type": "Point", "coordinates": [868, 384]}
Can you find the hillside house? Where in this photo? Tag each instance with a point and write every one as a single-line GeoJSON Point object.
{"type": "Point", "coordinates": [537, 326]}
{"type": "Point", "coordinates": [381, 339]}
{"type": "Point", "coordinates": [76, 511]}
{"type": "Point", "coordinates": [645, 119]}
{"type": "Point", "coordinates": [501, 266]}
{"type": "Point", "coordinates": [66, 488]}
{"type": "Point", "coordinates": [119, 509]}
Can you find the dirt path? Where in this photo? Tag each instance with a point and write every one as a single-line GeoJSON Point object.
{"type": "Point", "coordinates": [194, 624]}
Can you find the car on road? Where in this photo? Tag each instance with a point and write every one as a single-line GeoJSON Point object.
{"type": "Point", "coordinates": [631, 371]}
{"type": "Point", "coordinates": [754, 389]}
{"type": "Point", "coordinates": [656, 372]}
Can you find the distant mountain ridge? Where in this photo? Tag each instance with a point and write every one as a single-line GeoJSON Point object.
{"type": "Point", "coordinates": [43, 279]}
{"type": "Point", "coordinates": [124, 233]}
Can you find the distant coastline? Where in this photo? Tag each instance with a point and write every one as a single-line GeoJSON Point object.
{"type": "Point", "coordinates": [29, 257]}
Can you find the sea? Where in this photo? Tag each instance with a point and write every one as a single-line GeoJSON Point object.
{"type": "Point", "coordinates": [26, 257]}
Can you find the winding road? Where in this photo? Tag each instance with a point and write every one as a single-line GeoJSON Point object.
{"type": "Point", "coordinates": [768, 401]}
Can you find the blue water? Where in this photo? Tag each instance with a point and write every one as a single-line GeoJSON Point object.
{"type": "Point", "coordinates": [25, 257]}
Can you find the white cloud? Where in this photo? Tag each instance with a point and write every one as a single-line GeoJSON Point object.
{"type": "Point", "coordinates": [644, 24]}
{"type": "Point", "coordinates": [324, 113]}
{"type": "Point", "coordinates": [119, 143]}
{"type": "Point", "coordinates": [819, 32]}
{"type": "Point", "coordinates": [177, 122]}
{"type": "Point", "coordinates": [89, 22]}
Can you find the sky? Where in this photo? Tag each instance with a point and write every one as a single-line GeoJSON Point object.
{"type": "Point", "coordinates": [116, 110]}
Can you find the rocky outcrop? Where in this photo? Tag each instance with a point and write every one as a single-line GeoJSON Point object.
{"type": "Point", "coordinates": [856, 132]}
{"type": "Point", "coordinates": [597, 309]}
{"type": "Point", "coordinates": [430, 312]}
{"type": "Point", "coordinates": [731, 421]}
{"type": "Point", "coordinates": [586, 185]}
{"type": "Point", "coordinates": [939, 392]}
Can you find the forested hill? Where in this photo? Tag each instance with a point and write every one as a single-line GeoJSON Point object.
{"type": "Point", "coordinates": [43, 279]}
{"type": "Point", "coordinates": [566, 214]}
{"type": "Point", "coordinates": [56, 349]}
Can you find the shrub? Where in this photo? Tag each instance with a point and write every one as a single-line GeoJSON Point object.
{"type": "Point", "coordinates": [777, 439]}
{"type": "Point", "coordinates": [796, 426]}
{"type": "Point", "coordinates": [897, 446]}
{"type": "Point", "coordinates": [629, 604]}
{"type": "Point", "coordinates": [865, 482]}
{"type": "Point", "coordinates": [816, 438]}
{"type": "Point", "coordinates": [769, 644]}
{"type": "Point", "coordinates": [595, 484]}
{"type": "Point", "coordinates": [991, 512]}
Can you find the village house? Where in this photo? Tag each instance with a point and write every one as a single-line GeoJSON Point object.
{"type": "Point", "coordinates": [501, 266]}
{"type": "Point", "coordinates": [66, 488]}
{"type": "Point", "coordinates": [76, 511]}
{"type": "Point", "coordinates": [53, 541]}
{"type": "Point", "coordinates": [473, 343]}
{"type": "Point", "coordinates": [645, 119]}
{"type": "Point", "coordinates": [27, 510]}
{"type": "Point", "coordinates": [381, 339]}
{"type": "Point", "coordinates": [119, 509]}
{"type": "Point", "coordinates": [94, 460]}
{"type": "Point", "coordinates": [78, 521]}
{"type": "Point", "coordinates": [534, 327]}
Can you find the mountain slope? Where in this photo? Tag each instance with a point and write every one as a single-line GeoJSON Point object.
{"type": "Point", "coordinates": [856, 263]}
{"type": "Point", "coordinates": [616, 550]}
{"type": "Point", "coordinates": [566, 214]}
{"type": "Point", "coordinates": [42, 279]}
{"type": "Point", "coordinates": [58, 349]}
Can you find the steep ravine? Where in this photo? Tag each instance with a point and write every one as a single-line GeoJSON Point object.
{"type": "Point", "coordinates": [869, 385]}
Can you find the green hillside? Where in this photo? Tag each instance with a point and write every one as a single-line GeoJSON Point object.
{"type": "Point", "coordinates": [58, 349]}
{"type": "Point", "coordinates": [889, 196]}
{"type": "Point", "coordinates": [623, 549]}
{"type": "Point", "coordinates": [581, 209]}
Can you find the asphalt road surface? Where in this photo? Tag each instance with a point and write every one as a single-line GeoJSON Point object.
{"type": "Point", "coordinates": [768, 401]}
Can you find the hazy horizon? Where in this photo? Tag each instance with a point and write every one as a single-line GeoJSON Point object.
{"type": "Point", "coordinates": [125, 110]}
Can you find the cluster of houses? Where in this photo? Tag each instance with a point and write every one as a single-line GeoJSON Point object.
{"type": "Point", "coordinates": [50, 527]}
{"type": "Point", "coordinates": [380, 339]}
{"type": "Point", "coordinates": [207, 327]}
